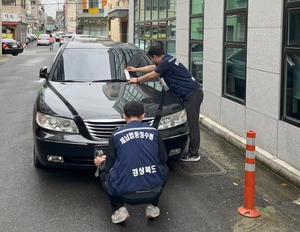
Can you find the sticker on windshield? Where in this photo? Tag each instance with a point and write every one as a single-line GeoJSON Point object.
{"type": "Point", "coordinates": [127, 74]}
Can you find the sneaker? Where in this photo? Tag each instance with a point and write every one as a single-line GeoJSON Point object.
{"type": "Point", "coordinates": [152, 211]}
{"type": "Point", "coordinates": [188, 157]}
{"type": "Point", "coordinates": [120, 215]}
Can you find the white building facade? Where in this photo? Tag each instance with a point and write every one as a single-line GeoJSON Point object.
{"type": "Point", "coordinates": [246, 53]}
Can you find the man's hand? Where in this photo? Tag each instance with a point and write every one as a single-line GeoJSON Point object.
{"type": "Point", "coordinates": [133, 80]}
{"type": "Point", "coordinates": [98, 160]}
{"type": "Point", "coordinates": [131, 69]}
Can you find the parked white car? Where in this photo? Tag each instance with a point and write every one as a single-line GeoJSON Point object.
{"type": "Point", "coordinates": [43, 39]}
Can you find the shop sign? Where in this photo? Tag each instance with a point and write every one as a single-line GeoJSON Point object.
{"type": "Point", "coordinates": [93, 21]}
{"type": "Point", "coordinates": [8, 17]}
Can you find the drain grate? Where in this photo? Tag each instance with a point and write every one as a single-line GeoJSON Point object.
{"type": "Point", "coordinates": [205, 166]}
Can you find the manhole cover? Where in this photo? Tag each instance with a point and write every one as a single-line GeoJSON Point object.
{"type": "Point", "coordinates": [205, 166]}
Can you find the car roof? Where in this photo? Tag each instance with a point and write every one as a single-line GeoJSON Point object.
{"type": "Point", "coordinates": [5, 39]}
{"type": "Point", "coordinates": [84, 37]}
{"type": "Point", "coordinates": [93, 43]}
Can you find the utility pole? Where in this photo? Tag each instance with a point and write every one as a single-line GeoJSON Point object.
{"type": "Point", "coordinates": [64, 15]}
{"type": "Point", "coordinates": [58, 17]}
{"type": "Point", "coordinates": [1, 27]}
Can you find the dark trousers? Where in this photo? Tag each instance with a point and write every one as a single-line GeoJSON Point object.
{"type": "Point", "coordinates": [192, 103]}
{"type": "Point", "coordinates": [118, 202]}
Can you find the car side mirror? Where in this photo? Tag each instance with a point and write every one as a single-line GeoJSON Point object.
{"type": "Point", "coordinates": [43, 72]}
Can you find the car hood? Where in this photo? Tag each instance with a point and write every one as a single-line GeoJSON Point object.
{"type": "Point", "coordinates": [103, 100]}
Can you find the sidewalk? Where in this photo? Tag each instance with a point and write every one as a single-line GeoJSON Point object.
{"type": "Point", "coordinates": [270, 161]}
{"type": "Point", "coordinates": [4, 58]}
{"type": "Point", "coordinates": [277, 200]}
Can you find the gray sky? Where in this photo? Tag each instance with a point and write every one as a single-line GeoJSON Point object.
{"type": "Point", "coordinates": [51, 6]}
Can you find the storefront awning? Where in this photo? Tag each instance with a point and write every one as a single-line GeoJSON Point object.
{"type": "Point", "coordinates": [117, 12]}
{"type": "Point", "coordinates": [10, 23]}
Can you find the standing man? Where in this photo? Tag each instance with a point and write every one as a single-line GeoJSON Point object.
{"type": "Point", "coordinates": [134, 169]}
{"type": "Point", "coordinates": [181, 82]}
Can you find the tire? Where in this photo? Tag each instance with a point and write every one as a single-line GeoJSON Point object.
{"type": "Point", "coordinates": [15, 54]}
{"type": "Point", "coordinates": [37, 163]}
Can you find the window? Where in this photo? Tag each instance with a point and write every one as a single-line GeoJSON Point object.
{"type": "Point", "coordinates": [136, 10]}
{"type": "Point", "coordinates": [155, 22]}
{"type": "Point", "coordinates": [235, 52]}
{"type": "Point", "coordinates": [93, 4]}
{"type": "Point", "coordinates": [9, 2]}
{"type": "Point", "coordinates": [196, 38]}
{"type": "Point", "coordinates": [291, 63]}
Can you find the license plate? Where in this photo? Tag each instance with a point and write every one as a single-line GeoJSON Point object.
{"type": "Point", "coordinates": [14, 46]}
{"type": "Point", "coordinates": [99, 151]}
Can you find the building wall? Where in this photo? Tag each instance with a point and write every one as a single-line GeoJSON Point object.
{"type": "Point", "coordinates": [261, 111]}
{"type": "Point", "coordinates": [19, 32]}
{"type": "Point", "coordinates": [115, 29]}
{"type": "Point", "coordinates": [182, 30]}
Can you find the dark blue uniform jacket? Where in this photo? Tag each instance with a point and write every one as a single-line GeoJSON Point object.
{"type": "Point", "coordinates": [137, 165]}
{"type": "Point", "coordinates": [177, 76]}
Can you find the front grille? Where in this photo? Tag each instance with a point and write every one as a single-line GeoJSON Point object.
{"type": "Point", "coordinates": [100, 129]}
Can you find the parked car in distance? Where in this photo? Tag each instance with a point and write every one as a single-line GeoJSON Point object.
{"type": "Point", "coordinates": [43, 39]}
{"type": "Point", "coordinates": [11, 46]}
{"type": "Point", "coordinates": [81, 101]}
{"type": "Point", "coordinates": [58, 35]}
{"type": "Point", "coordinates": [32, 37]}
{"type": "Point", "coordinates": [64, 39]}
{"type": "Point", "coordinates": [29, 38]}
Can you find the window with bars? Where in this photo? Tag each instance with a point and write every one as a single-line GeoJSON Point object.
{"type": "Point", "coordinates": [155, 22]}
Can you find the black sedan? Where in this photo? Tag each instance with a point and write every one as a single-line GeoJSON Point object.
{"type": "Point", "coordinates": [11, 46]}
{"type": "Point", "coordinates": [81, 103]}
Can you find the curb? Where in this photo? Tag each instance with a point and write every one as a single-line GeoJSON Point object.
{"type": "Point", "coordinates": [3, 59]}
{"type": "Point", "coordinates": [267, 159]}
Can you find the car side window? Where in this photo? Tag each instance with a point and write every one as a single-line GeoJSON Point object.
{"type": "Point", "coordinates": [59, 74]}
{"type": "Point", "coordinates": [123, 58]}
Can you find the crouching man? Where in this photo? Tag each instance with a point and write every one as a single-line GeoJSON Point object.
{"type": "Point", "coordinates": [134, 170]}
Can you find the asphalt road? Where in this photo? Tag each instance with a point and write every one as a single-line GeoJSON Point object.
{"type": "Point", "coordinates": [72, 200]}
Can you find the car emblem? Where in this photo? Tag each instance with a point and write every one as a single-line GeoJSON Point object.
{"type": "Point", "coordinates": [117, 128]}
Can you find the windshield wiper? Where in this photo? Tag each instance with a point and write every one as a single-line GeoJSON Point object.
{"type": "Point", "coordinates": [110, 80]}
{"type": "Point", "coordinates": [67, 81]}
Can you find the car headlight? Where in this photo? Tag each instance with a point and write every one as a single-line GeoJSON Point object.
{"type": "Point", "coordinates": [56, 123]}
{"type": "Point", "coordinates": [172, 120]}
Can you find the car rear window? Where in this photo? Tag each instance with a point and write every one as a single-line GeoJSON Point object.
{"type": "Point", "coordinates": [44, 36]}
{"type": "Point", "coordinates": [8, 40]}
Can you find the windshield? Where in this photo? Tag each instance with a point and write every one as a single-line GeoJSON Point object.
{"type": "Point", "coordinates": [82, 65]}
{"type": "Point", "coordinates": [97, 64]}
